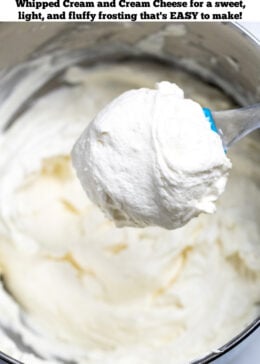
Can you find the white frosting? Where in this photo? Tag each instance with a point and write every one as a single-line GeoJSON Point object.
{"type": "Point", "coordinates": [86, 292]}
{"type": "Point", "coordinates": [151, 158]}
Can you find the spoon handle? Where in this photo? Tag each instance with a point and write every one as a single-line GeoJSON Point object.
{"type": "Point", "coordinates": [235, 124]}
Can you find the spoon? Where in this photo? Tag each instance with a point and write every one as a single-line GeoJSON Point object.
{"type": "Point", "coordinates": [232, 125]}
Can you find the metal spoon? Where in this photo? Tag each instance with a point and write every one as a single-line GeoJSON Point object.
{"type": "Point", "coordinates": [232, 125]}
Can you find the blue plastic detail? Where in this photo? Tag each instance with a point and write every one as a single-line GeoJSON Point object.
{"type": "Point", "coordinates": [210, 119]}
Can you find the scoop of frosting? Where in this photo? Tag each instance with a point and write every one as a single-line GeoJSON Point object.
{"type": "Point", "coordinates": [150, 158]}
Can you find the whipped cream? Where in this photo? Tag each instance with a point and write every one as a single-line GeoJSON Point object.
{"type": "Point", "coordinates": [151, 158]}
{"type": "Point", "coordinates": [80, 290]}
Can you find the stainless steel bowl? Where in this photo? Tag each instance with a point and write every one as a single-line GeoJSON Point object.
{"type": "Point", "coordinates": [222, 53]}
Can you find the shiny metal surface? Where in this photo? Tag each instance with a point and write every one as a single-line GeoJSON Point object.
{"type": "Point", "coordinates": [219, 52]}
{"type": "Point", "coordinates": [235, 124]}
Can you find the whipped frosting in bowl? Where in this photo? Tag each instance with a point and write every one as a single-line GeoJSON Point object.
{"type": "Point", "coordinates": [79, 289]}
{"type": "Point", "coordinates": [150, 158]}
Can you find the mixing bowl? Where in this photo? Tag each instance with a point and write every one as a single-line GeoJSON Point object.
{"type": "Point", "coordinates": [220, 53]}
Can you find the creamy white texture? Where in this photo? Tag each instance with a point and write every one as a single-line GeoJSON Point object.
{"type": "Point", "coordinates": [87, 292]}
{"type": "Point", "coordinates": [150, 158]}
